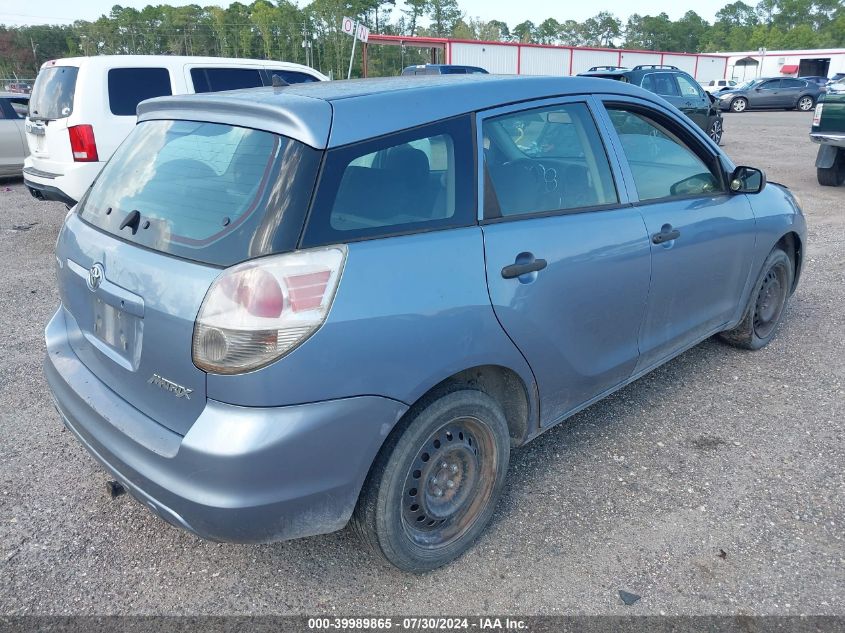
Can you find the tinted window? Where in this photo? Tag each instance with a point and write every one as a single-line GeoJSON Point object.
{"type": "Point", "coordinates": [793, 83]}
{"type": "Point", "coordinates": [420, 179]}
{"type": "Point", "coordinates": [20, 106]}
{"type": "Point", "coordinates": [546, 159]}
{"type": "Point", "coordinates": [663, 165]}
{"type": "Point", "coordinates": [203, 191]}
{"type": "Point", "coordinates": [453, 71]}
{"type": "Point", "coordinates": [770, 85]}
{"type": "Point", "coordinates": [662, 84]}
{"type": "Point", "coordinates": [52, 96]}
{"type": "Point", "coordinates": [689, 88]}
{"type": "Point", "coordinates": [130, 86]}
{"type": "Point", "coordinates": [216, 79]}
{"type": "Point", "coordinates": [293, 77]}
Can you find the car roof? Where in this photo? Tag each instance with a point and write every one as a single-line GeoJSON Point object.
{"type": "Point", "coordinates": [170, 61]}
{"type": "Point", "coordinates": [359, 109]}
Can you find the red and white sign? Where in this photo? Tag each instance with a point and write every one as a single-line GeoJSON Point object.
{"type": "Point", "coordinates": [348, 26]}
{"type": "Point", "coordinates": [363, 33]}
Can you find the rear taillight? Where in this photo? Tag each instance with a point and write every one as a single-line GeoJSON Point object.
{"type": "Point", "coordinates": [817, 115]}
{"type": "Point", "coordinates": [82, 144]}
{"type": "Point", "coordinates": [258, 311]}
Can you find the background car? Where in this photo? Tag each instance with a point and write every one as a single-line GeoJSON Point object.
{"type": "Point", "coordinates": [829, 131]}
{"type": "Point", "coordinates": [821, 81]}
{"type": "Point", "coordinates": [19, 87]}
{"type": "Point", "coordinates": [835, 79]}
{"type": "Point", "coordinates": [83, 107]}
{"type": "Point", "coordinates": [443, 69]}
{"type": "Point", "coordinates": [677, 87]}
{"type": "Point", "coordinates": [787, 93]}
{"type": "Point", "coordinates": [715, 85]}
{"type": "Point", "coordinates": [13, 147]}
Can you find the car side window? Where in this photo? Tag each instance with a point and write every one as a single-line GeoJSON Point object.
{"type": "Point", "coordinates": [292, 76]}
{"type": "Point", "coordinates": [662, 84]}
{"type": "Point", "coordinates": [20, 106]}
{"type": "Point", "coordinates": [771, 85]}
{"type": "Point", "coordinates": [688, 87]}
{"type": "Point", "coordinates": [3, 112]}
{"type": "Point", "coordinates": [793, 83]}
{"type": "Point", "coordinates": [662, 164]}
{"type": "Point", "coordinates": [215, 79]}
{"type": "Point", "coordinates": [130, 86]}
{"type": "Point", "coordinates": [416, 180]}
{"type": "Point", "coordinates": [545, 159]}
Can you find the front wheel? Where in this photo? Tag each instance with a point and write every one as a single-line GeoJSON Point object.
{"type": "Point", "coordinates": [739, 104]}
{"type": "Point", "coordinates": [765, 305]}
{"type": "Point", "coordinates": [433, 488]}
{"type": "Point", "coordinates": [805, 104]}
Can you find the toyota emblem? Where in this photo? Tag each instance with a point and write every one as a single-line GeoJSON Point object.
{"type": "Point", "coordinates": [95, 276]}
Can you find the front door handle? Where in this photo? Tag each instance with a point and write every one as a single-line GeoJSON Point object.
{"type": "Point", "coordinates": [667, 234]}
{"type": "Point", "coordinates": [515, 270]}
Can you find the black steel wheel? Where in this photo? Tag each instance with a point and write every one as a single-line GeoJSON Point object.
{"type": "Point", "coordinates": [771, 300]}
{"type": "Point", "coordinates": [766, 304]}
{"type": "Point", "coordinates": [434, 485]}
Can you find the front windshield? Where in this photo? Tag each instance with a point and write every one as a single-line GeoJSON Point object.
{"type": "Point", "coordinates": [746, 85]}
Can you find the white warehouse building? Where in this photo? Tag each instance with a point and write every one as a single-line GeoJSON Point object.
{"type": "Point", "coordinates": [512, 58]}
{"type": "Point", "coordinates": [818, 63]}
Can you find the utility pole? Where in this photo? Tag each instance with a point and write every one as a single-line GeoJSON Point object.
{"type": "Point", "coordinates": [34, 56]}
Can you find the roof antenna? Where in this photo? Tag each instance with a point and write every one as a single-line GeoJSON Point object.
{"type": "Point", "coordinates": [278, 82]}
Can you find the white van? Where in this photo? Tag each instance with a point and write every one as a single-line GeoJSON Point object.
{"type": "Point", "coordinates": [82, 108]}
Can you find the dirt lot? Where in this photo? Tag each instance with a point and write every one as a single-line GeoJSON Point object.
{"type": "Point", "coordinates": [713, 485]}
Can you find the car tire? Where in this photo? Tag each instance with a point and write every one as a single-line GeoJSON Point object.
{"type": "Point", "coordinates": [434, 486]}
{"type": "Point", "coordinates": [766, 304]}
{"type": "Point", "coordinates": [834, 175]}
{"type": "Point", "coordinates": [715, 131]}
{"type": "Point", "coordinates": [806, 103]}
{"type": "Point", "coordinates": [740, 104]}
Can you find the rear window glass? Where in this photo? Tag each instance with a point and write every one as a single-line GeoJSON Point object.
{"type": "Point", "coordinates": [130, 86]}
{"type": "Point", "coordinates": [52, 95]}
{"type": "Point", "coordinates": [417, 180]}
{"type": "Point", "coordinates": [216, 79]}
{"type": "Point", "coordinates": [213, 193]}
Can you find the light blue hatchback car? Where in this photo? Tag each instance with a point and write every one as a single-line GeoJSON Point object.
{"type": "Point", "coordinates": [285, 308]}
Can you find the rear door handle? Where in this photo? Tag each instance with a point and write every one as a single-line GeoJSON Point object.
{"type": "Point", "coordinates": [667, 234]}
{"type": "Point", "coordinates": [515, 270]}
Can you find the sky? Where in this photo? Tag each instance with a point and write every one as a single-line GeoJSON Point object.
{"type": "Point", "coordinates": [510, 11]}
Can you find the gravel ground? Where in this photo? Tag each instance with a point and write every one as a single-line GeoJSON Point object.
{"type": "Point", "coordinates": [712, 486]}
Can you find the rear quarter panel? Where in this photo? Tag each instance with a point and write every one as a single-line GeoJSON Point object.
{"type": "Point", "coordinates": [410, 311]}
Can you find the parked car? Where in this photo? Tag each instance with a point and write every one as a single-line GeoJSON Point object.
{"type": "Point", "coordinates": [285, 309]}
{"type": "Point", "coordinates": [820, 81]}
{"type": "Point", "coordinates": [442, 69]}
{"type": "Point", "coordinates": [771, 92]}
{"type": "Point", "coordinates": [13, 149]}
{"type": "Point", "coordinates": [837, 77]}
{"type": "Point", "coordinates": [83, 108]}
{"type": "Point", "coordinates": [715, 85]}
{"type": "Point", "coordinates": [19, 87]}
{"type": "Point", "coordinates": [829, 131]}
{"type": "Point", "coordinates": [677, 87]}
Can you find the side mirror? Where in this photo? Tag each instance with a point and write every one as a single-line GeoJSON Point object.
{"type": "Point", "coordinates": [747, 180]}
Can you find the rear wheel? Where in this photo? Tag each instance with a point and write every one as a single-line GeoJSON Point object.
{"type": "Point", "coordinates": [739, 104]}
{"type": "Point", "coordinates": [806, 103]}
{"type": "Point", "coordinates": [434, 486]}
{"type": "Point", "coordinates": [765, 305]}
{"type": "Point", "coordinates": [834, 175]}
{"type": "Point", "coordinates": [715, 131]}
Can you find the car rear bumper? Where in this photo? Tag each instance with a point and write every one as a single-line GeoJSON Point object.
{"type": "Point", "coordinates": [828, 138]}
{"type": "Point", "coordinates": [62, 182]}
{"type": "Point", "coordinates": [240, 474]}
